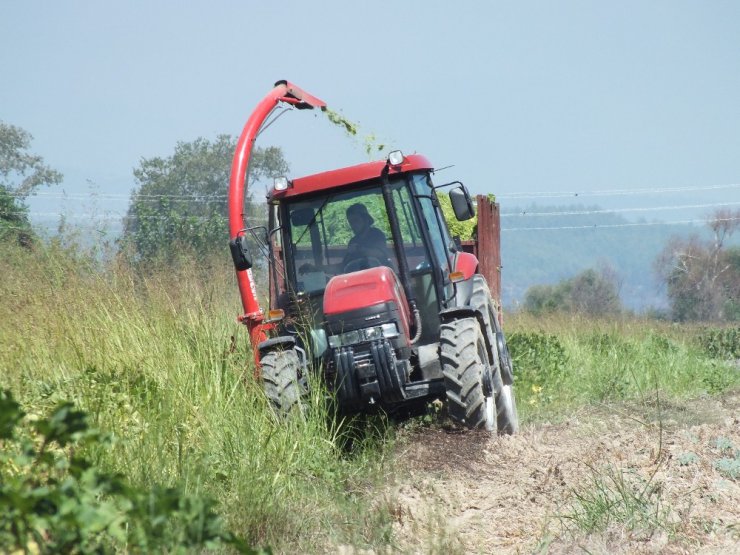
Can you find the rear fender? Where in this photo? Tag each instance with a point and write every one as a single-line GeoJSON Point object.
{"type": "Point", "coordinates": [466, 263]}
{"type": "Point", "coordinates": [463, 293]}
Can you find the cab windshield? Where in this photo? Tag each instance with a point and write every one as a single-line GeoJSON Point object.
{"type": "Point", "coordinates": [349, 231]}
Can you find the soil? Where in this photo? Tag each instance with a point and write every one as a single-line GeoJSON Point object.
{"type": "Point", "coordinates": [475, 493]}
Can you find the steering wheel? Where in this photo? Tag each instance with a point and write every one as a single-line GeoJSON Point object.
{"type": "Point", "coordinates": [362, 263]}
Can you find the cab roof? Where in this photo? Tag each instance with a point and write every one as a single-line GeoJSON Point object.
{"type": "Point", "coordinates": [346, 176]}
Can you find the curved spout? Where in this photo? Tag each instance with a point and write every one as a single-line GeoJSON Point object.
{"type": "Point", "coordinates": [282, 92]}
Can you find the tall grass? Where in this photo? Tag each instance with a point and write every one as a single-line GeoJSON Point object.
{"type": "Point", "coordinates": [159, 361]}
{"type": "Point", "coordinates": [563, 361]}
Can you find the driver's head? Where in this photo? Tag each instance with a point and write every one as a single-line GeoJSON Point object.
{"type": "Point", "coordinates": [359, 218]}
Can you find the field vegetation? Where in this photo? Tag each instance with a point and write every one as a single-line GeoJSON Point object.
{"type": "Point", "coordinates": [155, 359]}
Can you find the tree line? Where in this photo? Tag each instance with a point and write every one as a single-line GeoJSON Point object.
{"type": "Point", "coordinates": [179, 205]}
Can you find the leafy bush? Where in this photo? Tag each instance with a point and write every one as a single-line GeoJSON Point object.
{"type": "Point", "coordinates": [21, 172]}
{"type": "Point", "coordinates": [721, 343]}
{"type": "Point", "coordinates": [538, 358]}
{"type": "Point", "coordinates": [55, 500]}
{"type": "Point", "coordinates": [590, 292]}
{"type": "Point", "coordinates": [180, 202]}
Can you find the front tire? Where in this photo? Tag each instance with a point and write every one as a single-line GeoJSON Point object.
{"type": "Point", "coordinates": [284, 385]}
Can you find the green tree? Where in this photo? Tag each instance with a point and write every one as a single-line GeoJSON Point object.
{"type": "Point", "coordinates": [590, 292]}
{"type": "Point", "coordinates": [703, 277]}
{"type": "Point", "coordinates": [21, 173]}
{"type": "Point", "coordinates": [181, 201]}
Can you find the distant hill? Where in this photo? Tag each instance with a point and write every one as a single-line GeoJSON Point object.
{"type": "Point", "coordinates": [546, 256]}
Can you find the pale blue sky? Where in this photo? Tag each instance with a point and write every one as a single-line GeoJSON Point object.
{"type": "Point", "coordinates": [519, 96]}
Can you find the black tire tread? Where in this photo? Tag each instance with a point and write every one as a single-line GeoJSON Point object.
{"type": "Point", "coordinates": [282, 382]}
{"type": "Point", "coordinates": [462, 368]}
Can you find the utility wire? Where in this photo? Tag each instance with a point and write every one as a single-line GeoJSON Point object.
{"type": "Point", "coordinates": [112, 214]}
{"type": "Point", "coordinates": [615, 192]}
{"type": "Point", "coordinates": [110, 217]}
{"type": "Point", "coordinates": [510, 196]}
{"type": "Point", "coordinates": [613, 210]}
{"type": "Point", "coordinates": [630, 224]}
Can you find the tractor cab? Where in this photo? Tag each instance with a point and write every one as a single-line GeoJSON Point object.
{"type": "Point", "coordinates": [363, 255]}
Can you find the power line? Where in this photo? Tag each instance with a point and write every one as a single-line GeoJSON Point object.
{"type": "Point", "coordinates": [616, 192]}
{"type": "Point", "coordinates": [614, 210]}
{"type": "Point", "coordinates": [630, 224]}
{"type": "Point", "coordinates": [109, 215]}
{"type": "Point", "coordinates": [120, 196]}
{"type": "Point", "coordinates": [510, 196]}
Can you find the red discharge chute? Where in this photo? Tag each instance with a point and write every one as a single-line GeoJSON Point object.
{"type": "Point", "coordinates": [282, 92]}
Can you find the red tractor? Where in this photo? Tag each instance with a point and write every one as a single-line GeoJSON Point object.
{"type": "Point", "coordinates": [368, 288]}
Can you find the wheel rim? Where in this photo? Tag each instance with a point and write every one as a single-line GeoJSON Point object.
{"type": "Point", "coordinates": [506, 397]}
{"type": "Point", "coordinates": [490, 408]}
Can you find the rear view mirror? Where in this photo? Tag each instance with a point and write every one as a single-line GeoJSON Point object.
{"type": "Point", "coordinates": [462, 204]}
{"type": "Point", "coordinates": [240, 253]}
{"type": "Point", "coordinates": [302, 216]}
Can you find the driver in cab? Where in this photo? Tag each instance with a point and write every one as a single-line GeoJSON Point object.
{"type": "Point", "coordinates": [368, 244]}
{"type": "Point", "coordinates": [366, 249]}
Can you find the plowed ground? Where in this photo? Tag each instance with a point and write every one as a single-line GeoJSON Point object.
{"type": "Point", "coordinates": [659, 469]}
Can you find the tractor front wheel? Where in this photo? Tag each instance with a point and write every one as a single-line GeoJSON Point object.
{"type": "Point", "coordinates": [284, 385]}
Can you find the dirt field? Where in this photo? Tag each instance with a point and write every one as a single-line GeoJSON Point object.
{"type": "Point", "coordinates": [655, 480]}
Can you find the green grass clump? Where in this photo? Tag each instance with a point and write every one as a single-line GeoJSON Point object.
{"type": "Point", "coordinates": [158, 361]}
{"type": "Point", "coordinates": [563, 362]}
{"type": "Point", "coordinates": [614, 497]}
{"type": "Point", "coordinates": [721, 343]}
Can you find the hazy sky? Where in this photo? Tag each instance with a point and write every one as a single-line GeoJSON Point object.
{"type": "Point", "coordinates": [519, 96]}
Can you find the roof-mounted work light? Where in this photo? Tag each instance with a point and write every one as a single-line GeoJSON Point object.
{"type": "Point", "coordinates": [281, 184]}
{"type": "Point", "coordinates": [395, 158]}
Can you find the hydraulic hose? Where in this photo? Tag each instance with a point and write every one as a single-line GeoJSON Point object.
{"type": "Point", "coordinates": [417, 323]}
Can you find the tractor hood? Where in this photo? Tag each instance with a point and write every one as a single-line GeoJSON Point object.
{"type": "Point", "coordinates": [362, 289]}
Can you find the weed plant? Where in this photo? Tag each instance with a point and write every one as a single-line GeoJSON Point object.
{"type": "Point", "coordinates": [157, 360]}
{"type": "Point", "coordinates": [615, 497]}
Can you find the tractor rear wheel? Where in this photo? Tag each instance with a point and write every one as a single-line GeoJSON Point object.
{"type": "Point", "coordinates": [467, 374]}
{"type": "Point", "coordinates": [482, 301]}
{"type": "Point", "coordinates": [284, 385]}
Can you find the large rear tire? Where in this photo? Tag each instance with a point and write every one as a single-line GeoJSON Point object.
{"type": "Point", "coordinates": [284, 385]}
{"type": "Point", "coordinates": [467, 374]}
{"type": "Point", "coordinates": [477, 396]}
{"type": "Point", "coordinates": [503, 379]}
{"type": "Point", "coordinates": [482, 301]}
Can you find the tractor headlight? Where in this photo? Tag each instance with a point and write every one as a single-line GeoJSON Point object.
{"type": "Point", "coordinates": [384, 331]}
